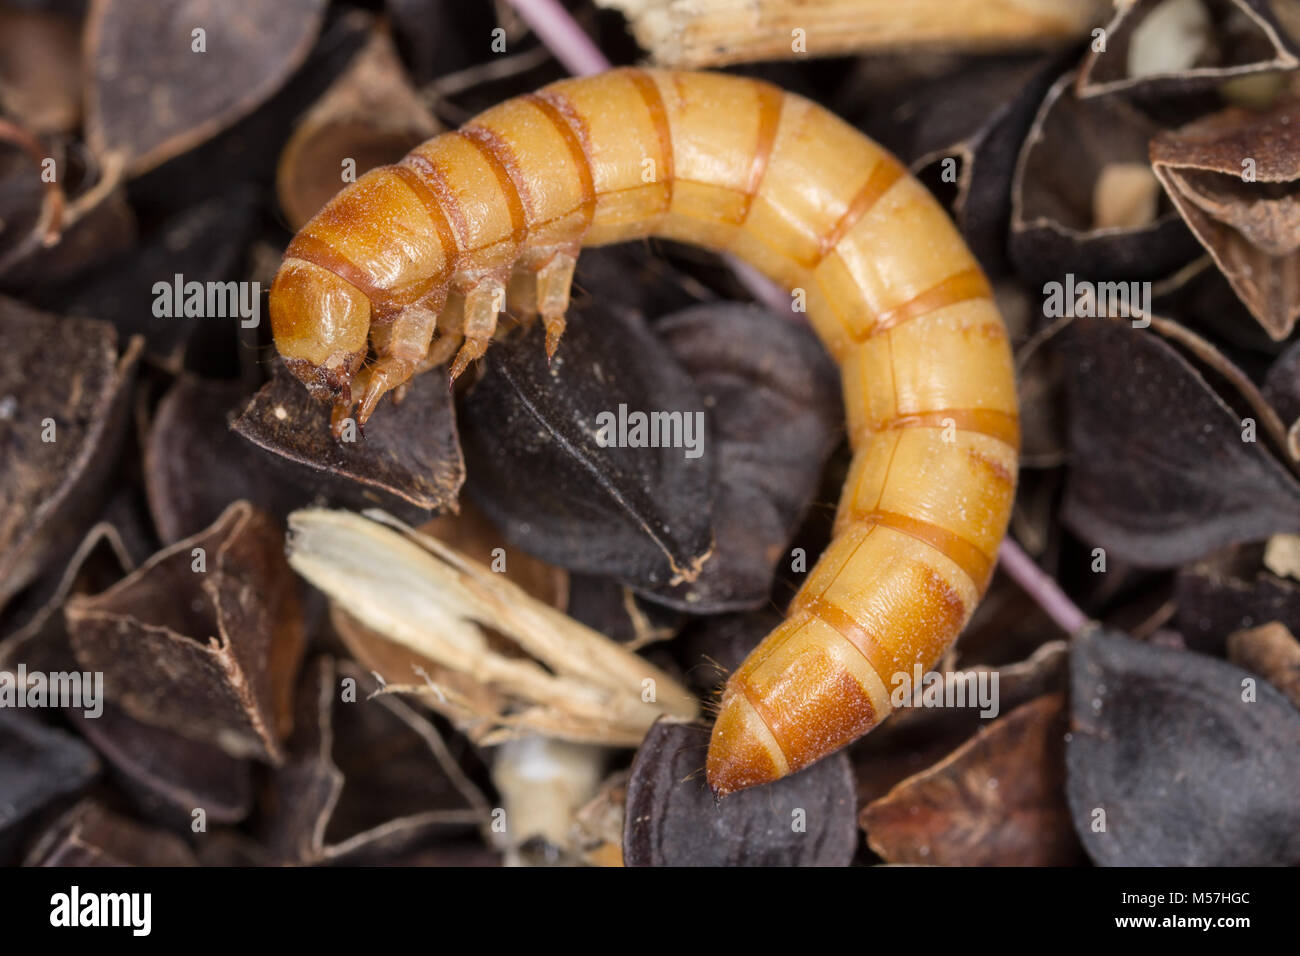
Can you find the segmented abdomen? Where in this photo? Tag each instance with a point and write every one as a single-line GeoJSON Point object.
{"type": "Point", "coordinates": [731, 163]}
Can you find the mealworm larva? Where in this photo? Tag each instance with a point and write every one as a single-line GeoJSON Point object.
{"type": "Point", "coordinates": [413, 262]}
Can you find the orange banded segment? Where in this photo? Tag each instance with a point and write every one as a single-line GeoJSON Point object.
{"type": "Point", "coordinates": [886, 172]}
{"type": "Point", "coordinates": [1003, 426]}
{"type": "Point", "coordinates": [569, 125]}
{"type": "Point", "coordinates": [496, 152]}
{"type": "Point", "coordinates": [966, 285]}
{"type": "Point", "coordinates": [654, 102]}
{"type": "Point", "coordinates": [975, 563]}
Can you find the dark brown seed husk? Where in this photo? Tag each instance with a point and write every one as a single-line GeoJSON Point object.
{"type": "Point", "coordinates": [1054, 231]}
{"type": "Point", "coordinates": [1243, 38]}
{"type": "Point", "coordinates": [210, 654]}
{"type": "Point", "coordinates": [367, 776]}
{"type": "Point", "coordinates": [672, 819]}
{"type": "Point", "coordinates": [998, 800]}
{"type": "Point", "coordinates": [407, 459]}
{"type": "Point", "coordinates": [1250, 226]}
{"type": "Point", "coordinates": [64, 390]}
{"type": "Point", "coordinates": [1178, 759]}
{"type": "Point", "coordinates": [91, 835]}
{"type": "Point", "coordinates": [39, 766]}
{"type": "Point", "coordinates": [1160, 472]}
{"type": "Point", "coordinates": [137, 48]}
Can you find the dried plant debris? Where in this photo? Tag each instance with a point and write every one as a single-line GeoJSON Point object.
{"type": "Point", "coordinates": [171, 778]}
{"type": "Point", "coordinates": [551, 675]}
{"type": "Point", "coordinates": [773, 401]}
{"type": "Point", "coordinates": [1064, 187]}
{"type": "Point", "coordinates": [371, 116]}
{"type": "Point", "coordinates": [1163, 471]}
{"type": "Point", "coordinates": [203, 64]}
{"type": "Point", "coordinates": [1155, 46]}
{"type": "Point", "coordinates": [672, 819]}
{"type": "Point", "coordinates": [91, 835]}
{"type": "Point", "coordinates": [1178, 759]}
{"type": "Point", "coordinates": [1231, 591]}
{"type": "Point", "coordinates": [533, 433]}
{"type": "Point", "coordinates": [998, 800]}
{"type": "Point", "coordinates": [1272, 652]}
{"type": "Point", "coordinates": [64, 386]}
{"type": "Point", "coordinates": [39, 765]}
{"type": "Point", "coordinates": [409, 454]}
{"type": "Point", "coordinates": [543, 784]}
{"type": "Point", "coordinates": [477, 539]}
{"type": "Point", "coordinates": [1235, 178]}
{"type": "Point", "coordinates": [700, 33]}
{"type": "Point", "coordinates": [598, 824]}
{"type": "Point", "coordinates": [367, 775]}
{"type": "Point", "coordinates": [205, 639]}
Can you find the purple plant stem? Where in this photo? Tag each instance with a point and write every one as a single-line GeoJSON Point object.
{"type": "Point", "coordinates": [562, 36]}
{"type": "Point", "coordinates": [1040, 586]}
{"type": "Point", "coordinates": [569, 44]}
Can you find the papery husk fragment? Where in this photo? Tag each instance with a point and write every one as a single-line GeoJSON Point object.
{"type": "Point", "coordinates": [701, 33]}
{"type": "Point", "coordinates": [1235, 178]}
{"type": "Point", "coordinates": [554, 676]}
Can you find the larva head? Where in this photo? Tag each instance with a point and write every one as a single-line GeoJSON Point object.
{"type": "Point", "coordinates": [321, 324]}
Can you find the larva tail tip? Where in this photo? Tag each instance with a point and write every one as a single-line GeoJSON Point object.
{"type": "Point", "coordinates": [740, 749]}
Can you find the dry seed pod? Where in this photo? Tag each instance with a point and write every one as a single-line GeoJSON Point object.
{"type": "Point", "coordinates": [723, 162]}
{"type": "Point", "coordinates": [1179, 45]}
{"type": "Point", "coordinates": [204, 639]}
{"type": "Point", "coordinates": [695, 33]}
{"type": "Point", "coordinates": [1060, 220]}
{"type": "Point", "coordinates": [1235, 178]}
{"type": "Point", "coordinates": [247, 52]}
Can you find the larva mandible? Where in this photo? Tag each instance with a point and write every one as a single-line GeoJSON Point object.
{"type": "Point", "coordinates": [430, 245]}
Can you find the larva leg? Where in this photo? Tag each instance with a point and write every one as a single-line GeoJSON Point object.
{"type": "Point", "coordinates": [554, 280]}
{"type": "Point", "coordinates": [483, 303]}
{"type": "Point", "coordinates": [402, 347]}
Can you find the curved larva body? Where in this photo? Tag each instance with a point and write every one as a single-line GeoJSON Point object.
{"type": "Point", "coordinates": [734, 164]}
